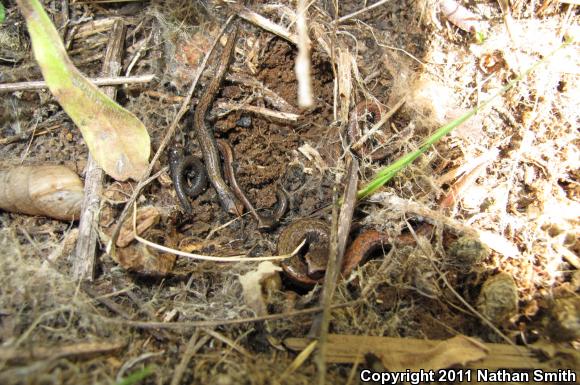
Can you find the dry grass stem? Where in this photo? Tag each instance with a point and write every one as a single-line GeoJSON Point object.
{"type": "Point", "coordinates": [344, 75]}
{"type": "Point", "coordinates": [103, 81]}
{"type": "Point", "coordinates": [234, 345]}
{"type": "Point", "coordinates": [359, 12]}
{"type": "Point", "coordinates": [303, 66]}
{"type": "Point", "coordinates": [191, 349]}
{"type": "Point", "coordinates": [377, 126]}
{"type": "Point", "coordinates": [214, 323]}
{"type": "Point", "coordinates": [235, 258]}
{"type": "Point", "coordinates": [284, 116]}
{"type": "Point", "coordinates": [299, 360]}
{"type": "Point", "coordinates": [268, 25]}
{"type": "Point", "coordinates": [268, 94]}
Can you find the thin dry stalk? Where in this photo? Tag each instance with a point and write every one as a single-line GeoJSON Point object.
{"type": "Point", "coordinates": [97, 26]}
{"type": "Point", "coordinates": [303, 66]}
{"type": "Point", "coordinates": [286, 116]}
{"type": "Point", "coordinates": [84, 263]}
{"type": "Point", "coordinates": [320, 324]}
{"type": "Point", "coordinates": [235, 258]}
{"type": "Point", "coordinates": [344, 74]}
{"type": "Point", "coordinates": [104, 81]}
{"type": "Point", "coordinates": [233, 344]}
{"type": "Point", "coordinates": [359, 12]}
{"type": "Point", "coordinates": [192, 347]}
{"type": "Point", "coordinates": [462, 185]}
{"type": "Point", "coordinates": [335, 260]}
{"type": "Point", "coordinates": [27, 134]}
{"type": "Point", "coordinates": [270, 96]}
{"type": "Point", "coordinates": [299, 360]}
{"type": "Point", "coordinates": [78, 350]}
{"type": "Point", "coordinates": [268, 25]}
{"type": "Point", "coordinates": [378, 125]}
{"type": "Point", "coordinates": [227, 322]}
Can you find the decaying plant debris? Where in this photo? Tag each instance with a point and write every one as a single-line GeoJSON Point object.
{"type": "Point", "coordinates": [487, 221]}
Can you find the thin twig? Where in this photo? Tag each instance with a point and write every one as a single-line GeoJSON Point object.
{"type": "Point", "coordinates": [378, 125]}
{"type": "Point", "coordinates": [267, 24]}
{"type": "Point", "coordinates": [212, 323]}
{"type": "Point", "coordinates": [84, 262]}
{"type": "Point", "coordinates": [190, 350]}
{"type": "Point", "coordinates": [270, 96]}
{"type": "Point", "coordinates": [320, 325]}
{"type": "Point", "coordinates": [359, 12]}
{"type": "Point", "coordinates": [227, 341]}
{"type": "Point", "coordinates": [287, 116]}
{"type": "Point", "coordinates": [235, 258]}
{"type": "Point", "coordinates": [26, 134]}
{"type": "Point", "coordinates": [334, 267]}
{"type": "Point", "coordinates": [105, 81]}
{"type": "Point", "coordinates": [78, 350]}
{"type": "Point", "coordinates": [168, 136]}
{"type": "Point", "coordinates": [302, 66]}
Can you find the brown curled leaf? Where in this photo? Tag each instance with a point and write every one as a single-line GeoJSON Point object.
{"type": "Point", "coordinates": [140, 259]}
{"type": "Point", "coordinates": [146, 217]}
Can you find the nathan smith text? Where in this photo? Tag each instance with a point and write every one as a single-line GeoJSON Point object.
{"type": "Point", "coordinates": [538, 375]}
{"type": "Point", "coordinates": [468, 375]}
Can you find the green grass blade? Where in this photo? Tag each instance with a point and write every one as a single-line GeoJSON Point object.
{"type": "Point", "coordinates": [136, 377]}
{"type": "Point", "coordinates": [391, 170]}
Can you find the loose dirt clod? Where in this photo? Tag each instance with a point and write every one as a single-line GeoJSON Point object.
{"type": "Point", "coordinates": [498, 300]}
{"type": "Point", "coordinates": [467, 253]}
{"type": "Point", "coordinates": [565, 319]}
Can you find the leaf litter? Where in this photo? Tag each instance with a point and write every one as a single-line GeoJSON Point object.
{"type": "Point", "coordinates": [521, 201]}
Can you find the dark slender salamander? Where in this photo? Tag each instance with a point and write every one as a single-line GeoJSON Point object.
{"type": "Point", "coordinates": [205, 134]}
{"type": "Point", "coordinates": [265, 222]}
{"type": "Point", "coordinates": [180, 167]}
{"type": "Point", "coordinates": [311, 267]}
{"type": "Point", "coordinates": [354, 131]}
{"type": "Point", "coordinates": [308, 269]}
{"type": "Point", "coordinates": [361, 248]}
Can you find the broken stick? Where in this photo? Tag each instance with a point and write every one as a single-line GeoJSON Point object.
{"type": "Point", "coordinates": [84, 262]}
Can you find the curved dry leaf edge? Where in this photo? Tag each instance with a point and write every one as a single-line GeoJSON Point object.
{"type": "Point", "coordinates": [116, 138]}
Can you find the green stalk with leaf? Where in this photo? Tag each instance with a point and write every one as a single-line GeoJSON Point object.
{"type": "Point", "coordinates": [387, 173]}
{"type": "Point", "coordinates": [116, 138]}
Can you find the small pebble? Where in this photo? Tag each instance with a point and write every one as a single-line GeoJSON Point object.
{"type": "Point", "coordinates": [245, 121]}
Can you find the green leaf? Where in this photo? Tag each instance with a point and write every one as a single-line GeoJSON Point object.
{"type": "Point", "coordinates": [116, 138]}
{"type": "Point", "coordinates": [2, 13]}
{"type": "Point", "coordinates": [136, 377]}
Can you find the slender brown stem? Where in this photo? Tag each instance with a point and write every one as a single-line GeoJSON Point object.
{"type": "Point", "coordinates": [104, 81]}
